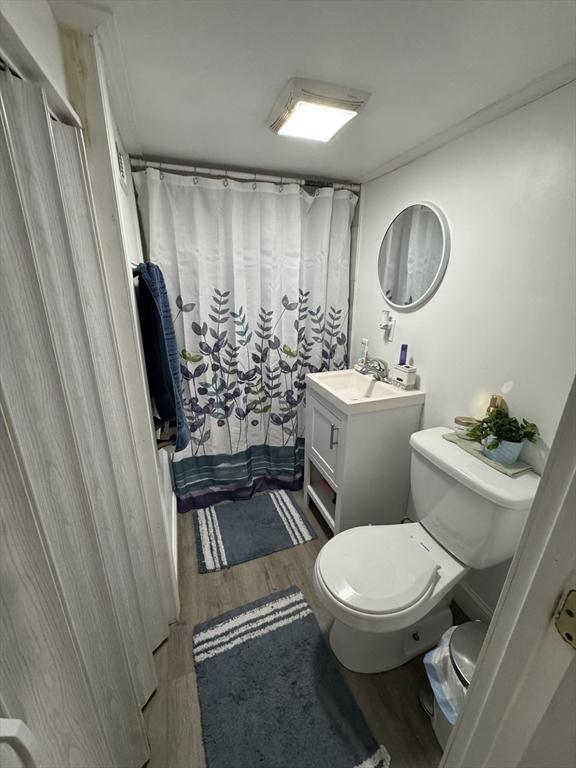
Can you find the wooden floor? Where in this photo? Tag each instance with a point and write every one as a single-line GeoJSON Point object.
{"type": "Point", "coordinates": [389, 700]}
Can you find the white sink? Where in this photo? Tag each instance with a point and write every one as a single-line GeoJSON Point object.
{"type": "Point", "coordinates": [354, 392]}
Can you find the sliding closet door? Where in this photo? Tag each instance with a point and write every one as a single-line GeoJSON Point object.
{"type": "Point", "coordinates": [42, 679]}
{"type": "Point", "coordinates": [63, 396]}
{"type": "Point", "coordinates": [132, 529]}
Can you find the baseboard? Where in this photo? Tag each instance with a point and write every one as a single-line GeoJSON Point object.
{"type": "Point", "coordinates": [471, 603]}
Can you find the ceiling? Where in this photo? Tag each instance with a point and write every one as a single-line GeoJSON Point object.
{"type": "Point", "coordinates": [200, 77]}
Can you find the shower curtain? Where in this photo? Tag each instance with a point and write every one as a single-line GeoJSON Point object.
{"type": "Point", "coordinates": [258, 275]}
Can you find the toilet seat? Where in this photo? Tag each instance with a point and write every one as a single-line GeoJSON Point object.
{"type": "Point", "coordinates": [378, 570]}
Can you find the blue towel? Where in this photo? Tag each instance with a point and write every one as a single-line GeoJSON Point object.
{"type": "Point", "coordinates": [161, 350]}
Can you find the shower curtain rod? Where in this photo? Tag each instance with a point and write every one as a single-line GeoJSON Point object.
{"type": "Point", "coordinates": [137, 164]}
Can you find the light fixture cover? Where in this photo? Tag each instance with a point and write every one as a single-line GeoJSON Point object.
{"type": "Point", "coordinates": [314, 110]}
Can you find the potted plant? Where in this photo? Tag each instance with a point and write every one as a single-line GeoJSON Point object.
{"type": "Point", "coordinates": [502, 436]}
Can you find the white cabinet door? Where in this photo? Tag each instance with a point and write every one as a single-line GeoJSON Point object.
{"type": "Point", "coordinates": [325, 429]}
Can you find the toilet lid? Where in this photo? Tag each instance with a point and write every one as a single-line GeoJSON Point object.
{"type": "Point", "coordinates": [377, 569]}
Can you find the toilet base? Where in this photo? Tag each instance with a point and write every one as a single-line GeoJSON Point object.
{"type": "Point", "coordinates": [370, 652]}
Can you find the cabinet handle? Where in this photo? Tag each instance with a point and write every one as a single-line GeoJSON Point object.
{"type": "Point", "coordinates": [333, 431]}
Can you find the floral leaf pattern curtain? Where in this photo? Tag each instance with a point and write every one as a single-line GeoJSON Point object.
{"type": "Point", "coordinates": [258, 275]}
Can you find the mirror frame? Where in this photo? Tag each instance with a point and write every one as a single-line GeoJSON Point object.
{"type": "Point", "coordinates": [439, 276]}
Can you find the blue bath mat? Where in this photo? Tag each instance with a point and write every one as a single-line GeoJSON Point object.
{"type": "Point", "coordinates": [236, 531]}
{"type": "Point", "coordinates": [271, 694]}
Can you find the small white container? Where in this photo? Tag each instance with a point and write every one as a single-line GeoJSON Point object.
{"type": "Point", "coordinates": [462, 424]}
{"type": "Point", "coordinates": [404, 376]}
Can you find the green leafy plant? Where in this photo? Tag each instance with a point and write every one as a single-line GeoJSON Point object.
{"type": "Point", "coordinates": [498, 426]}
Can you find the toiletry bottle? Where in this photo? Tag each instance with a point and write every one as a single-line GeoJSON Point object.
{"type": "Point", "coordinates": [497, 402]}
{"type": "Point", "coordinates": [403, 354]}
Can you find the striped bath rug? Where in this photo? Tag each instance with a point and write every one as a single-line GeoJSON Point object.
{"type": "Point", "coordinates": [271, 694]}
{"type": "Point", "coordinates": [236, 531]}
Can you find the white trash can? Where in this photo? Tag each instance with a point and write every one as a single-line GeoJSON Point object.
{"type": "Point", "coordinates": [450, 667]}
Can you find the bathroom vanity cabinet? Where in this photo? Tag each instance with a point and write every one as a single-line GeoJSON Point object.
{"type": "Point", "coordinates": [357, 455]}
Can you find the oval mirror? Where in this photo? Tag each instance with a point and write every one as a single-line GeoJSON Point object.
{"type": "Point", "coordinates": [413, 256]}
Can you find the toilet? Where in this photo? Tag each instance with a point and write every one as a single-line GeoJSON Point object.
{"type": "Point", "coordinates": [388, 587]}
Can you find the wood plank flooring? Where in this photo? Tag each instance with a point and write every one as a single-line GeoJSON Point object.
{"type": "Point", "coordinates": [389, 700]}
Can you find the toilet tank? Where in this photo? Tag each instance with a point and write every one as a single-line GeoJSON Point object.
{"type": "Point", "coordinates": [474, 511]}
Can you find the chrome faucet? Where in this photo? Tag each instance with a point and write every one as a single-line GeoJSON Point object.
{"type": "Point", "coordinates": [377, 368]}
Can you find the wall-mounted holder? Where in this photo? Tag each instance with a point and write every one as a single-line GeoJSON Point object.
{"type": "Point", "coordinates": [387, 324]}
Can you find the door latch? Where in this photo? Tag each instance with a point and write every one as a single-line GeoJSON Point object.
{"type": "Point", "coordinates": [566, 619]}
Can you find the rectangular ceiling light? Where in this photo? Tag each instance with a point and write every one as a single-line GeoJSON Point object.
{"type": "Point", "coordinates": [310, 109]}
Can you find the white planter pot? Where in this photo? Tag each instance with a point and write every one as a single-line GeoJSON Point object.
{"type": "Point", "coordinates": [505, 453]}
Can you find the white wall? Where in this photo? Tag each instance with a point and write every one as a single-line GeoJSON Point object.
{"type": "Point", "coordinates": [133, 254]}
{"type": "Point", "coordinates": [127, 204]}
{"type": "Point", "coordinates": [504, 319]}
{"type": "Point", "coordinates": [29, 36]}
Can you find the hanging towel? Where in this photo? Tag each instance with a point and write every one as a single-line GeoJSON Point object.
{"type": "Point", "coordinates": [161, 350]}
